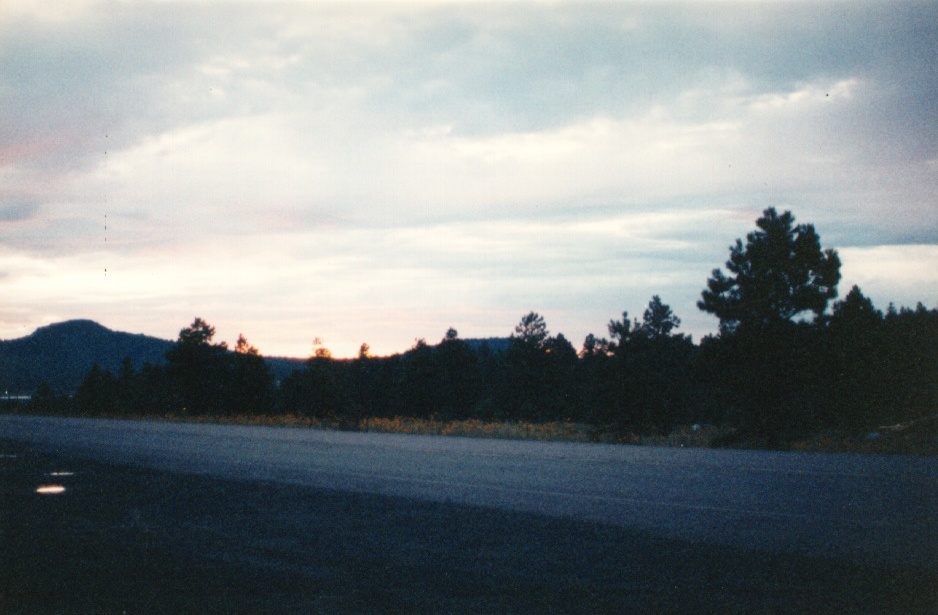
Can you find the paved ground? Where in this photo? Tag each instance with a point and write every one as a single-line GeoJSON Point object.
{"type": "Point", "coordinates": [266, 540]}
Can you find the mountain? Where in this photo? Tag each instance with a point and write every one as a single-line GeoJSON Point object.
{"type": "Point", "coordinates": [62, 354]}
{"type": "Point", "coordinates": [281, 367]}
{"type": "Point", "coordinates": [492, 345]}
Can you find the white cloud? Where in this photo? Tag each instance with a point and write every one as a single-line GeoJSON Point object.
{"type": "Point", "coordinates": [805, 97]}
{"type": "Point", "coordinates": [44, 10]}
{"type": "Point", "coordinates": [903, 275]}
{"type": "Point", "coordinates": [307, 168]}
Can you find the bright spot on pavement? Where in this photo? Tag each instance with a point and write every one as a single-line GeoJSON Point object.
{"type": "Point", "coordinates": [50, 489]}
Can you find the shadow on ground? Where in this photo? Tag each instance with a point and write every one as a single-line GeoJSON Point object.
{"type": "Point", "coordinates": [126, 540]}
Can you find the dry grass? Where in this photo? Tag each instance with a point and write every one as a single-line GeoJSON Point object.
{"type": "Point", "coordinates": [884, 442]}
{"type": "Point", "coordinates": [874, 443]}
{"type": "Point", "coordinates": [260, 420]}
{"type": "Point", "coordinates": [689, 436]}
{"type": "Point", "coordinates": [563, 431]}
{"type": "Point", "coordinates": [553, 431]}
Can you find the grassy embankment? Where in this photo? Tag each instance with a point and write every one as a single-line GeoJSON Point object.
{"type": "Point", "coordinates": [552, 431]}
{"type": "Point", "coordinates": [920, 438]}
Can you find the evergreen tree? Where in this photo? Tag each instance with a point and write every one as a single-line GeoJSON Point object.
{"type": "Point", "coordinates": [780, 273]}
{"type": "Point", "coordinates": [198, 369]}
{"type": "Point", "coordinates": [907, 363]}
{"type": "Point", "coordinates": [97, 394]}
{"type": "Point", "coordinates": [251, 390]}
{"type": "Point", "coordinates": [773, 362]}
{"type": "Point", "coordinates": [458, 378]}
{"type": "Point", "coordinates": [524, 386]}
{"type": "Point", "coordinates": [652, 375]}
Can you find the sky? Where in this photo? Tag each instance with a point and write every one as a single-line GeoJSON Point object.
{"type": "Point", "coordinates": [380, 172]}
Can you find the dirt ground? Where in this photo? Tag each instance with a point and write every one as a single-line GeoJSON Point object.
{"type": "Point", "coordinates": [125, 540]}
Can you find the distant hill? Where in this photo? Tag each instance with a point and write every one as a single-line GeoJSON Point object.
{"type": "Point", "coordinates": [284, 366]}
{"type": "Point", "coordinates": [61, 355]}
{"type": "Point", "coordinates": [492, 345]}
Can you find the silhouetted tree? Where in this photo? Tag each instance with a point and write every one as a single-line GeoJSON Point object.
{"type": "Point", "coordinates": [492, 376]}
{"type": "Point", "coordinates": [593, 376]}
{"type": "Point", "coordinates": [152, 391]}
{"type": "Point", "coordinates": [126, 387]}
{"type": "Point", "coordinates": [251, 390]}
{"type": "Point", "coordinates": [651, 376]}
{"type": "Point", "coordinates": [594, 346]}
{"type": "Point", "coordinates": [418, 387]}
{"type": "Point", "coordinates": [45, 401]}
{"type": "Point", "coordinates": [620, 411]}
{"type": "Point", "coordinates": [620, 331]}
{"type": "Point", "coordinates": [97, 394]}
{"type": "Point", "coordinates": [325, 395]}
{"type": "Point", "coordinates": [457, 377]}
{"type": "Point", "coordinates": [908, 359]}
{"type": "Point", "coordinates": [539, 375]}
{"type": "Point", "coordinates": [561, 396]}
{"type": "Point", "coordinates": [198, 369]}
{"type": "Point", "coordinates": [524, 385]}
{"type": "Point", "coordinates": [361, 382]}
{"type": "Point", "coordinates": [319, 349]}
{"type": "Point", "coordinates": [771, 357]}
{"type": "Point", "coordinates": [658, 320]}
{"type": "Point", "coordinates": [855, 344]}
{"type": "Point", "coordinates": [780, 273]}
{"type": "Point", "coordinates": [531, 332]}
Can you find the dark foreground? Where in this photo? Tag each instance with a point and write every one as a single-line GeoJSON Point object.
{"type": "Point", "coordinates": [127, 540]}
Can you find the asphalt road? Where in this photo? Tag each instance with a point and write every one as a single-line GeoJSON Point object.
{"type": "Point", "coordinates": [175, 518]}
{"type": "Point", "coordinates": [870, 509]}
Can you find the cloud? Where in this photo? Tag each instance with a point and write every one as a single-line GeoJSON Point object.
{"type": "Point", "coordinates": [18, 212]}
{"type": "Point", "coordinates": [403, 283]}
{"type": "Point", "coordinates": [892, 274]}
{"type": "Point", "coordinates": [416, 165]}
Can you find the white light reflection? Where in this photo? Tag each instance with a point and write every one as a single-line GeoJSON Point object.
{"type": "Point", "coordinates": [50, 489]}
{"type": "Point", "coordinates": [61, 474]}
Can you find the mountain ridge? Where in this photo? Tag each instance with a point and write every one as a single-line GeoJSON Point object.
{"type": "Point", "coordinates": [61, 355]}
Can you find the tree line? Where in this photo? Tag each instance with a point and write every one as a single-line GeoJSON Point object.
{"type": "Point", "coordinates": [788, 359]}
